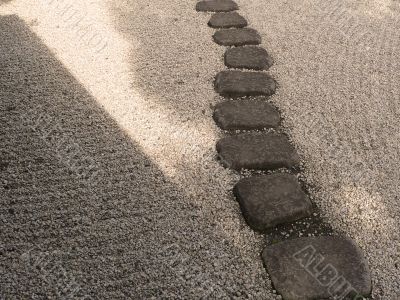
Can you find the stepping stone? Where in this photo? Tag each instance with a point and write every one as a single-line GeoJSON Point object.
{"type": "Point", "coordinates": [267, 201]}
{"type": "Point", "coordinates": [318, 268]}
{"type": "Point", "coordinates": [255, 58]}
{"type": "Point", "coordinates": [246, 115]}
{"type": "Point", "coordinates": [216, 5]}
{"type": "Point", "coordinates": [227, 20]}
{"type": "Point", "coordinates": [257, 151]}
{"type": "Point", "coordinates": [237, 37]}
{"type": "Point", "coordinates": [237, 83]}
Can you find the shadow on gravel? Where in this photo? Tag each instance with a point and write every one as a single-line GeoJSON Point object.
{"type": "Point", "coordinates": [360, 179]}
{"type": "Point", "coordinates": [83, 211]}
{"type": "Point", "coordinates": [169, 53]}
{"type": "Point", "coordinates": [147, 26]}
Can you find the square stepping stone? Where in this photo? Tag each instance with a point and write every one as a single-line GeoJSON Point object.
{"type": "Point", "coordinates": [227, 20]}
{"type": "Point", "coordinates": [237, 37]}
{"type": "Point", "coordinates": [235, 83]}
{"type": "Point", "coordinates": [246, 115]}
{"type": "Point", "coordinates": [255, 58]}
{"type": "Point", "coordinates": [318, 268]}
{"type": "Point", "coordinates": [257, 152]}
{"type": "Point", "coordinates": [216, 5]}
{"type": "Point", "coordinates": [267, 201]}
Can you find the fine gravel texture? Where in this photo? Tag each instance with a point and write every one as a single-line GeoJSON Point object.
{"type": "Point", "coordinates": [110, 185]}
{"type": "Point", "coordinates": [338, 64]}
{"type": "Point", "coordinates": [131, 83]}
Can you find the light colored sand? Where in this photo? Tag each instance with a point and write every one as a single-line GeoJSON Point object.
{"type": "Point", "coordinates": [338, 65]}
{"type": "Point", "coordinates": [154, 79]}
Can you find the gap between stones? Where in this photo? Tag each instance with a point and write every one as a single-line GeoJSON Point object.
{"type": "Point", "coordinates": [305, 260]}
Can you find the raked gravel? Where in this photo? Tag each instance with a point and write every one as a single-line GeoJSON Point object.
{"type": "Point", "coordinates": [149, 91]}
{"type": "Point", "coordinates": [338, 64]}
{"type": "Point", "coordinates": [162, 222]}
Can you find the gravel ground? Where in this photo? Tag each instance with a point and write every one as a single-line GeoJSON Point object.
{"type": "Point", "coordinates": [130, 83]}
{"type": "Point", "coordinates": [159, 220]}
{"type": "Point", "coordinates": [337, 63]}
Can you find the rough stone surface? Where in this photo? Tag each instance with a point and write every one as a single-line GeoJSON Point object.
{"type": "Point", "coordinates": [216, 5]}
{"type": "Point", "coordinates": [246, 115]}
{"type": "Point", "coordinates": [257, 151]}
{"type": "Point", "coordinates": [318, 268]}
{"type": "Point", "coordinates": [237, 37]}
{"type": "Point", "coordinates": [238, 83]}
{"type": "Point", "coordinates": [255, 58]}
{"type": "Point", "coordinates": [227, 20]}
{"type": "Point", "coordinates": [270, 200]}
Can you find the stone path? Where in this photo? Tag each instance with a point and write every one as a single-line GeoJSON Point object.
{"type": "Point", "coordinates": [257, 152]}
{"type": "Point", "coordinates": [237, 37]}
{"type": "Point", "coordinates": [239, 84]}
{"type": "Point", "coordinates": [227, 20]}
{"type": "Point", "coordinates": [304, 268]}
{"type": "Point", "coordinates": [216, 6]}
{"type": "Point", "coordinates": [246, 115]}
{"type": "Point", "coordinates": [318, 268]}
{"type": "Point", "coordinates": [270, 200]}
{"type": "Point", "coordinates": [255, 58]}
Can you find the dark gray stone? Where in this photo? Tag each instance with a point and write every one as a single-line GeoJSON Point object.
{"type": "Point", "coordinates": [270, 200]}
{"type": "Point", "coordinates": [318, 268]}
{"type": "Point", "coordinates": [227, 20]}
{"type": "Point", "coordinates": [237, 37]}
{"type": "Point", "coordinates": [257, 151]}
{"type": "Point", "coordinates": [238, 83]}
{"type": "Point", "coordinates": [216, 5]}
{"type": "Point", "coordinates": [246, 115]}
{"type": "Point", "coordinates": [255, 58]}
